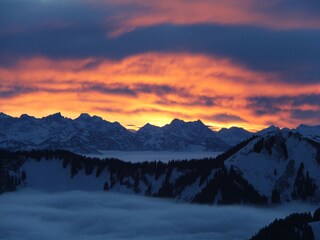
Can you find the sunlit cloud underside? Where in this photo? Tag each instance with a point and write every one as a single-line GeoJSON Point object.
{"type": "Point", "coordinates": [228, 63]}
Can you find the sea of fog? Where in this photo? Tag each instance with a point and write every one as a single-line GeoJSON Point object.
{"type": "Point", "coordinates": [164, 156]}
{"type": "Point", "coordinates": [33, 215]}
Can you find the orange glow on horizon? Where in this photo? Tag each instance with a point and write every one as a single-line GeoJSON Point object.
{"type": "Point", "coordinates": [144, 88]}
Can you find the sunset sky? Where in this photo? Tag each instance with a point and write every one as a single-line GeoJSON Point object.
{"type": "Point", "coordinates": [248, 63]}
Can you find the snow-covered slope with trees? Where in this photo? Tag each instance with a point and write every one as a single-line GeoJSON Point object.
{"type": "Point", "coordinates": [283, 164]}
{"type": "Point", "coordinates": [296, 226]}
{"type": "Point", "coordinates": [312, 132]}
{"type": "Point", "coordinates": [271, 168]}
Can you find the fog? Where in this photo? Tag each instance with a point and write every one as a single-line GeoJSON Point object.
{"type": "Point", "coordinates": [164, 156]}
{"type": "Point", "coordinates": [30, 214]}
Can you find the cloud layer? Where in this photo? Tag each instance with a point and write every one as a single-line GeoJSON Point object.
{"type": "Point", "coordinates": [233, 62]}
{"type": "Point", "coordinates": [29, 214]}
{"type": "Point", "coordinates": [292, 55]}
{"type": "Point", "coordinates": [155, 88]}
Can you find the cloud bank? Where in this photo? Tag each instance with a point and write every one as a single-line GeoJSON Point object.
{"type": "Point", "coordinates": [236, 62]}
{"type": "Point", "coordinates": [29, 214]}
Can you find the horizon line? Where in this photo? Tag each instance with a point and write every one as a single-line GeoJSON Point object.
{"type": "Point", "coordinates": [134, 128]}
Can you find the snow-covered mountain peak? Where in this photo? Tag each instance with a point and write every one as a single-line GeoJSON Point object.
{"type": "Point", "coordinates": [198, 124]}
{"type": "Point", "coordinates": [179, 135]}
{"type": "Point", "coordinates": [309, 130]}
{"type": "Point", "coordinates": [97, 119]}
{"type": "Point", "coordinates": [55, 117]}
{"type": "Point", "coordinates": [268, 130]}
{"type": "Point", "coordinates": [148, 128]}
{"type": "Point", "coordinates": [4, 116]}
{"type": "Point", "coordinates": [117, 125]}
{"type": "Point", "coordinates": [27, 117]}
{"type": "Point", "coordinates": [191, 127]}
{"type": "Point", "coordinates": [234, 135]}
{"type": "Point", "coordinates": [83, 116]}
{"type": "Point", "coordinates": [312, 132]}
{"type": "Point", "coordinates": [232, 129]}
{"type": "Point", "coordinates": [177, 122]}
{"type": "Point", "coordinates": [87, 121]}
{"type": "Point", "coordinates": [149, 125]}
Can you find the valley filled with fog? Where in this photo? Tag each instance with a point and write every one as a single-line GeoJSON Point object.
{"type": "Point", "coordinates": [163, 156]}
{"type": "Point", "coordinates": [57, 194]}
{"type": "Point", "coordinates": [30, 214]}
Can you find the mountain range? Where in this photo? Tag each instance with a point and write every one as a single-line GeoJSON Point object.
{"type": "Point", "coordinates": [92, 134]}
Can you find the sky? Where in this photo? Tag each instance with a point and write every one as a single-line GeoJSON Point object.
{"type": "Point", "coordinates": [247, 63]}
{"type": "Point", "coordinates": [99, 215]}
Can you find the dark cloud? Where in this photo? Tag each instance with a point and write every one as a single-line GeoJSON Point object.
{"type": "Point", "coordinates": [263, 106]}
{"type": "Point", "coordinates": [273, 105]}
{"type": "Point", "coordinates": [226, 118]}
{"type": "Point", "coordinates": [141, 110]}
{"type": "Point", "coordinates": [187, 98]}
{"type": "Point", "coordinates": [114, 89]}
{"type": "Point", "coordinates": [311, 99]}
{"type": "Point", "coordinates": [91, 65]}
{"type": "Point", "coordinates": [293, 54]}
{"type": "Point", "coordinates": [306, 115]}
{"type": "Point", "coordinates": [299, 100]}
{"type": "Point", "coordinates": [289, 8]}
{"type": "Point", "coordinates": [149, 110]}
{"type": "Point", "coordinates": [163, 91]}
{"type": "Point", "coordinates": [191, 100]}
{"type": "Point", "coordinates": [34, 15]}
{"type": "Point", "coordinates": [208, 101]}
{"type": "Point", "coordinates": [159, 90]}
{"type": "Point", "coordinates": [15, 90]}
{"type": "Point", "coordinates": [110, 109]}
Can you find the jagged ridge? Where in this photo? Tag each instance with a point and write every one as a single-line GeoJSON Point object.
{"type": "Point", "coordinates": [87, 134]}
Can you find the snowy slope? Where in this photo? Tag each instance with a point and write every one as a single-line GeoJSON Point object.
{"type": "Point", "coordinates": [181, 180]}
{"type": "Point", "coordinates": [51, 176]}
{"type": "Point", "coordinates": [270, 129]}
{"type": "Point", "coordinates": [271, 168]}
{"type": "Point", "coordinates": [316, 229]}
{"type": "Point", "coordinates": [312, 132]}
{"type": "Point", "coordinates": [272, 160]}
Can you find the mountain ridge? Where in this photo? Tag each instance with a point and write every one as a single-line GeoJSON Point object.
{"type": "Point", "coordinates": [92, 134]}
